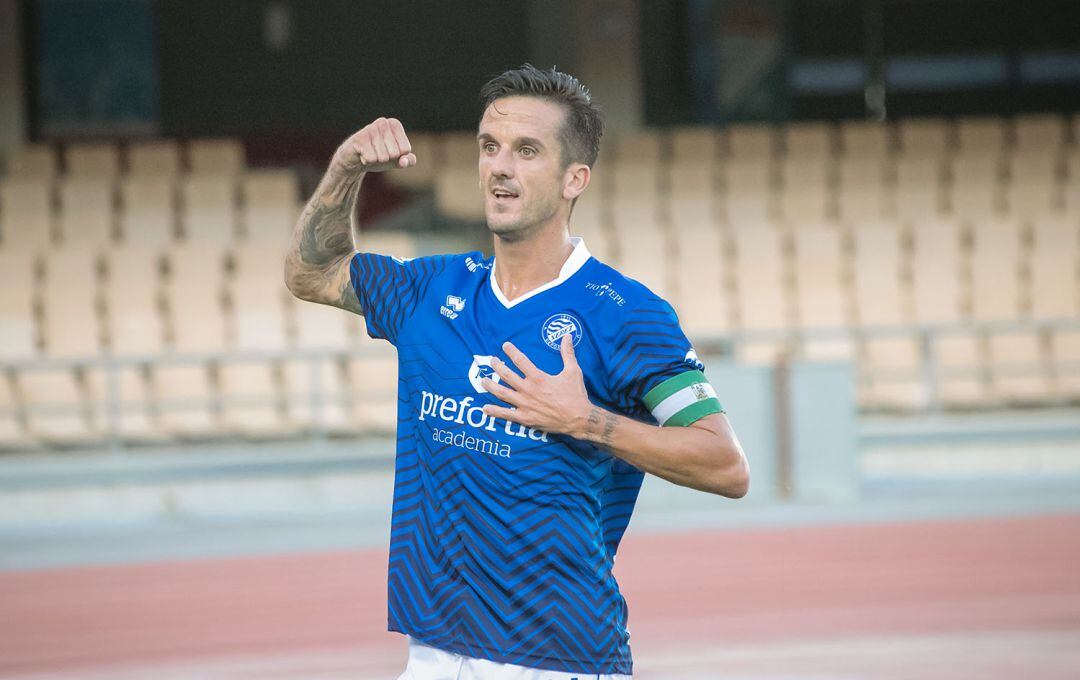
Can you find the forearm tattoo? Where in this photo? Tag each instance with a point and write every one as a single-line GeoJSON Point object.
{"type": "Point", "coordinates": [323, 238]}
{"type": "Point", "coordinates": [602, 423]}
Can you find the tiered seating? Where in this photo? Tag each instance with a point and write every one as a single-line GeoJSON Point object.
{"type": "Point", "coordinates": [957, 241]}
{"type": "Point", "coordinates": [879, 232]}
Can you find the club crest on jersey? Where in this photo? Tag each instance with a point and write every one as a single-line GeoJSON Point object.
{"type": "Point", "coordinates": [558, 325]}
{"type": "Point", "coordinates": [454, 304]}
{"type": "Point", "coordinates": [480, 369]}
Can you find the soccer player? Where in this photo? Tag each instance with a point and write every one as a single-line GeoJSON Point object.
{"type": "Point", "coordinates": [535, 390]}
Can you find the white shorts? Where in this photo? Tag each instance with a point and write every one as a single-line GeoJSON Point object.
{"type": "Point", "coordinates": [429, 663]}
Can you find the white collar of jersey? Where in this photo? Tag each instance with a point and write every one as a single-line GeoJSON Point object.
{"type": "Point", "coordinates": [578, 257]}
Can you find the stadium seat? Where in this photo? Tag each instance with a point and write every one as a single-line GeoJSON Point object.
{"type": "Point", "coordinates": [458, 149]}
{"type": "Point", "coordinates": [154, 158]}
{"type": "Point", "coordinates": [396, 243]}
{"type": "Point", "coordinates": [635, 213]}
{"type": "Point", "coordinates": [701, 280]}
{"type": "Point", "coordinates": [223, 156]}
{"type": "Point", "coordinates": [271, 206]}
{"type": "Point", "coordinates": [1040, 132]}
{"type": "Point", "coordinates": [1055, 254]}
{"type": "Point", "coordinates": [100, 161]}
{"type": "Point", "coordinates": [1071, 184]}
{"type": "Point", "coordinates": [458, 194]}
{"type": "Point", "coordinates": [87, 212]}
{"type": "Point", "coordinates": [919, 191]}
{"type": "Point", "coordinates": [862, 197]}
{"type": "Point", "coordinates": [252, 396]}
{"type": "Point", "coordinates": [983, 136]}
{"type": "Point", "coordinates": [1065, 350]}
{"type": "Point", "coordinates": [696, 145]}
{"type": "Point", "coordinates": [188, 402]}
{"type": "Point", "coordinates": [693, 211]}
{"type": "Point", "coordinates": [645, 253]}
{"type": "Point", "coordinates": [748, 200]}
{"type": "Point", "coordinates": [761, 288]}
{"type": "Point", "coordinates": [32, 162]}
{"type": "Point", "coordinates": [148, 212]}
{"type": "Point", "coordinates": [1018, 366]}
{"type": "Point", "coordinates": [691, 179]}
{"type": "Point", "coordinates": [425, 146]}
{"type": "Point", "coordinates": [17, 334]}
{"type": "Point", "coordinates": [890, 368]}
{"type": "Point", "coordinates": [587, 221]}
{"type": "Point", "coordinates": [208, 210]}
{"type": "Point", "coordinates": [748, 175]}
{"type": "Point", "coordinates": [13, 434]}
{"type": "Point", "coordinates": [879, 295]}
{"type": "Point", "coordinates": [639, 181]}
{"type": "Point", "coordinates": [976, 190]}
{"type": "Point", "coordinates": [806, 190]}
{"type": "Point", "coordinates": [1033, 189]}
{"type": "Point", "coordinates": [320, 330]}
{"type": "Point", "coordinates": [865, 139]}
{"type": "Point", "coordinates": [640, 147]}
{"type": "Point", "coordinates": [935, 269]}
{"type": "Point", "coordinates": [134, 328]}
{"type": "Point", "coordinates": [809, 140]}
{"type": "Point", "coordinates": [373, 386]}
{"type": "Point", "coordinates": [750, 142]}
{"type": "Point", "coordinates": [57, 405]}
{"type": "Point", "coordinates": [26, 215]}
{"type": "Point", "coordinates": [961, 375]}
{"type": "Point", "coordinates": [923, 137]}
{"type": "Point", "coordinates": [995, 273]}
{"type": "Point", "coordinates": [821, 293]}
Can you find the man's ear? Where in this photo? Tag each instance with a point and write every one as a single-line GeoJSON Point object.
{"type": "Point", "coordinates": [575, 179]}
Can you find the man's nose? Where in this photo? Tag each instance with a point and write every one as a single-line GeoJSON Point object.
{"type": "Point", "coordinates": [502, 164]}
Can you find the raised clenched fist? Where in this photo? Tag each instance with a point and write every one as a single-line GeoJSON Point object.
{"type": "Point", "coordinates": [380, 146]}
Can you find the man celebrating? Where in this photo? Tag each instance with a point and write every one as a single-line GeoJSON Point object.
{"type": "Point", "coordinates": [531, 386]}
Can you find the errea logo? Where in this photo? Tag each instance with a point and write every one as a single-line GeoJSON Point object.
{"type": "Point", "coordinates": [453, 306]}
{"type": "Point", "coordinates": [472, 265]}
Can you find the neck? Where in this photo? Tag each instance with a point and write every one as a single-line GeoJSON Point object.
{"type": "Point", "coordinates": [522, 265]}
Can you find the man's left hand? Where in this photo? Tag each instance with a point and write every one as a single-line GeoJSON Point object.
{"type": "Point", "coordinates": [552, 403]}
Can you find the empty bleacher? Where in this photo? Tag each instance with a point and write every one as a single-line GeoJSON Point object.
{"type": "Point", "coordinates": [142, 296]}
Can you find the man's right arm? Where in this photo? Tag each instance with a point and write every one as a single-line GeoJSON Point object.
{"type": "Point", "coordinates": [317, 264]}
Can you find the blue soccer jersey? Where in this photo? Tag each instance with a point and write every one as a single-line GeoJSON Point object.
{"type": "Point", "coordinates": [503, 537]}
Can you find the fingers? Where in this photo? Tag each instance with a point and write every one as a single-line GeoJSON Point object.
{"type": "Point", "coordinates": [520, 360]}
{"type": "Point", "coordinates": [498, 391]}
{"type": "Point", "coordinates": [507, 374]}
{"type": "Point", "coordinates": [389, 139]}
{"type": "Point", "coordinates": [377, 134]}
{"type": "Point", "coordinates": [566, 348]}
{"type": "Point", "coordinates": [398, 132]}
{"type": "Point", "coordinates": [510, 414]}
{"type": "Point", "coordinates": [407, 161]}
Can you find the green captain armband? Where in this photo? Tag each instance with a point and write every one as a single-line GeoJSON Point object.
{"type": "Point", "coordinates": [682, 399]}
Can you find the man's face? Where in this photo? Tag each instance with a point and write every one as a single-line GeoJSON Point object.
{"type": "Point", "coordinates": [521, 169]}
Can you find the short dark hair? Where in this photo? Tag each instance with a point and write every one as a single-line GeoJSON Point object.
{"type": "Point", "coordinates": [582, 128]}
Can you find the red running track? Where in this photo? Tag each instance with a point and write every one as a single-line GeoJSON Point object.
{"type": "Point", "coordinates": [703, 588]}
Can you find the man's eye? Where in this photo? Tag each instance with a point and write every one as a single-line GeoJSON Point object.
{"type": "Point", "coordinates": [528, 151]}
{"type": "Point", "coordinates": [489, 147]}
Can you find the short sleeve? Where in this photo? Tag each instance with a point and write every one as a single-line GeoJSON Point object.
{"type": "Point", "coordinates": [389, 289]}
{"type": "Point", "coordinates": [654, 370]}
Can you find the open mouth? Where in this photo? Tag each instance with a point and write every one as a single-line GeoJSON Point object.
{"type": "Point", "coordinates": [503, 195]}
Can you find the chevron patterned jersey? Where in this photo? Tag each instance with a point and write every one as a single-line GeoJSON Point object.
{"type": "Point", "coordinates": [503, 537]}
